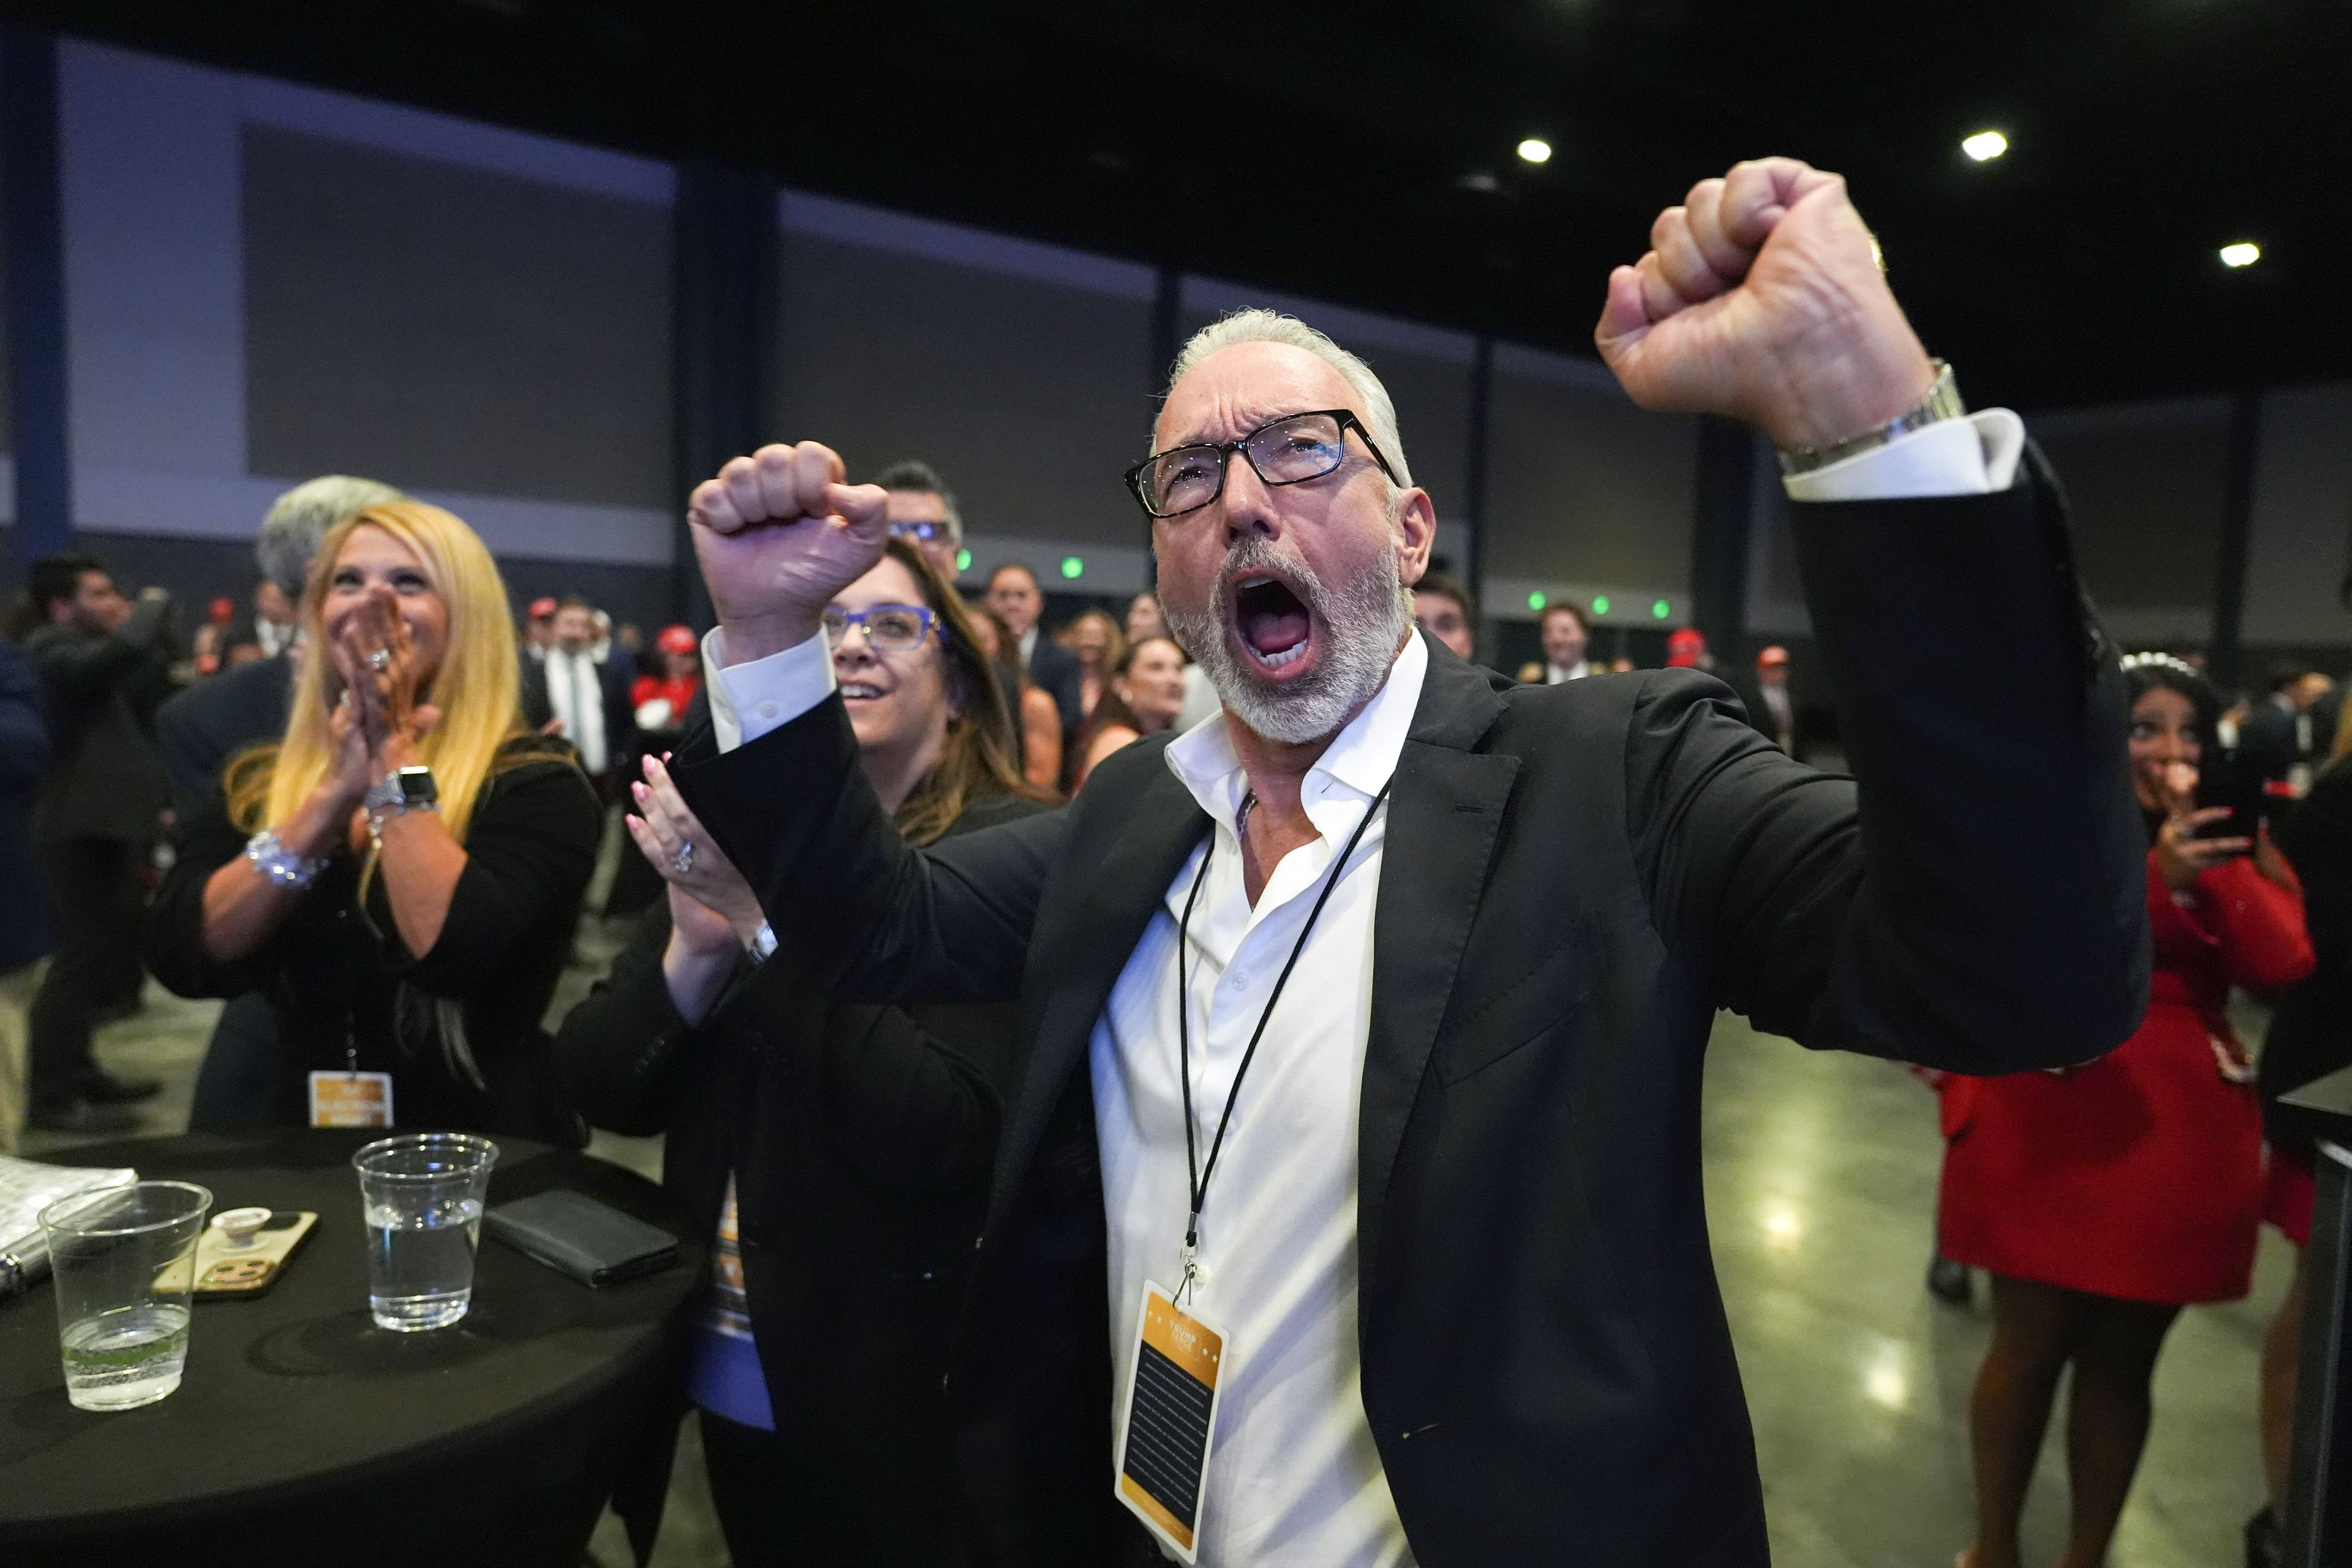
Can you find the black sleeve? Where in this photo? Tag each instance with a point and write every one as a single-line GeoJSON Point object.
{"type": "Point", "coordinates": [1975, 899]}
{"type": "Point", "coordinates": [619, 1052]}
{"type": "Point", "coordinates": [529, 851]}
{"type": "Point", "coordinates": [905, 1109]}
{"type": "Point", "coordinates": [204, 840]}
{"type": "Point", "coordinates": [2317, 842]}
{"type": "Point", "coordinates": [870, 918]}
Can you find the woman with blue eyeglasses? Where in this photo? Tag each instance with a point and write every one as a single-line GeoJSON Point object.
{"type": "Point", "coordinates": [839, 1154]}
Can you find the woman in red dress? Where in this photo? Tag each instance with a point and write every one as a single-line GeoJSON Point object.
{"type": "Point", "coordinates": [2103, 1198]}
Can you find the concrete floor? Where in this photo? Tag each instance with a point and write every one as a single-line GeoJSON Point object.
{"type": "Point", "coordinates": [1821, 1185]}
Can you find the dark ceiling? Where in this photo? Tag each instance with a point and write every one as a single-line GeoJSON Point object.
{"type": "Point", "coordinates": [1364, 154]}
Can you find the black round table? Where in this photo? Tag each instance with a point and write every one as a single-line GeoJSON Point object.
{"type": "Point", "coordinates": [303, 1433]}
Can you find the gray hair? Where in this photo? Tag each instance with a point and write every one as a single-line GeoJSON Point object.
{"type": "Point", "coordinates": [301, 517]}
{"type": "Point", "coordinates": [1264, 326]}
{"type": "Point", "coordinates": [920, 477]}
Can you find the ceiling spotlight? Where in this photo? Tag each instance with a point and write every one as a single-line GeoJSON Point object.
{"type": "Point", "coordinates": [1985, 145]}
{"type": "Point", "coordinates": [2245, 253]}
{"type": "Point", "coordinates": [1535, 150]}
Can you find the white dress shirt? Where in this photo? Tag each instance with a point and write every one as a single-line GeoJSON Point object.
{"type": "Point", "coordinates": [575, 691]}
{"type": "Point", "coordinates": [1554, 674]}
{"type": "Point", "coordinates": [1293, 1477]}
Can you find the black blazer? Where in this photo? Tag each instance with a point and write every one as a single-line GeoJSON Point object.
{"type": "Point", "coordinates": [98, 695]}
{"type": "Point", "coordinates": [860, 1139]}
{"type": "Point", "coordinates": [200, 730]}
{"type": "Point", "coordinates": [620, 714]}
{"type": "Point", "coordinates": [1055, 670]}
{"type": "Point", "coordinates": [1575, 877]}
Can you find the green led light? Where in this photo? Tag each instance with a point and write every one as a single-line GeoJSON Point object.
{"type": "Point", "coordinates": [1600, 604]}
{"type": "Point", "coordinates": [1073, 567]}
{"type": "Point", "coordinates": [1661, 610]}
{"type": "Point", "coordinates": [1535, 601]}
{"type": "Point", "coordinates": [963, 560]}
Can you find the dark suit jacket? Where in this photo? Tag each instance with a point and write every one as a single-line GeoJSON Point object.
{"type": "Point", "coordinates": [200, 730]}
{"type": "Point", "coordinates": [860, 1140]}
{"type": "Point", "coordinates": [98, 695]}
{"type": "Point", "coordinates": [2308, 1037]}
{"type": "Point", "coordinates": [1574, 878]}
{"type": "Point", "coordinates": [1055, 670]}
{"type": "Point", "coordinates": [2270, 743]}
{"type": "Point", "coordinates": [620, 713]}
{"type": "Point", "coordinates": [24, 753]}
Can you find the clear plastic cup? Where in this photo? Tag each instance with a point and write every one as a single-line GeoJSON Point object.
{"type": "Point", "coordinates": [423, 1197]}
{"type": "Point", "coordinates": [124, 1259]}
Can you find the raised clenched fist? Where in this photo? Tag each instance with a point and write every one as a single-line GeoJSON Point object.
{"type": "Point", "coordinates": [779, 534]}
{"type": "Point", "coordinates": [1761, 298]}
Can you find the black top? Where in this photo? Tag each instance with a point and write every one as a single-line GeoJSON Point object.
{"type": "Point", "coordinates": [98, 695]}
{"type": "Point", "coordinates": [2310, 1034]}
{"type": "Point", "coordinates": [1575, 877]}
{"type": "Point", "coordinates": [860, 1140]}
{"type": "Point", "coordinates": [303, 1434]}
{"type": "Point", "coordinates": [340, 982]}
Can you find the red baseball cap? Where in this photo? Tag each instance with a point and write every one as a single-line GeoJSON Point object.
{"type": "Point", "coordinates": [1684, 647]}
{"type": "Point", "coordinates": [676, 639]}
{"type": "Point", "coordinates": [541, 609]}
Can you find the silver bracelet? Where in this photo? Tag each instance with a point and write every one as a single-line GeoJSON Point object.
{"type": "Point", "coordinates": [280, 864]}
{"type": "Point", "coordinates": [1942, 402]}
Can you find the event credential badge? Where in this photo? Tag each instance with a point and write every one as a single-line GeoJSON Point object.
{"type": "Point", "coordinates": [350, 1100]}
{"type": "Point", "coordinates": [1171, 1412]}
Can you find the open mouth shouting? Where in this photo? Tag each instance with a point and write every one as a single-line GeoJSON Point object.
{"type": "Point", "coordinates": [1273, 625]}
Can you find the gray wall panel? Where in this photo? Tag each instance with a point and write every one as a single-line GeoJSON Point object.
{"type": "Point", "coordinates": [1584, 487]}
{"type": "Point", "coordinates": [2148, 485]}
{"type": "Point", "coordinates": [1028, 396]}
{"type": "Point", "coordinates": [447, 327]}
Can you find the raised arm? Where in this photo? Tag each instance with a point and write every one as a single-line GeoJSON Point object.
{"type": "Point", "coordinates": [1977, 902]}
{"type": "Point", "coordinates": [776, 778]}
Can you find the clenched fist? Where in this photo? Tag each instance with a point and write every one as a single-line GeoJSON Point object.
{"type": "Point", "coordinates": [1762, 299]}
{"type": "Point", "coordinates": [779, 534]}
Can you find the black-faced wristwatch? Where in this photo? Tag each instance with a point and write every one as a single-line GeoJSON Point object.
{"type": "Point", "coordinates": [1942, 402]}
{"type": "Point", "coordinates": [401, 789]}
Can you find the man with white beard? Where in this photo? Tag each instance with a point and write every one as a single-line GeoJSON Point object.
{"type": "Point", "coordinates": [1347, 1205]}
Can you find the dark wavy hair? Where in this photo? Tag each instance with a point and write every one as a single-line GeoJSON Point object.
{"type": "Point", "coordinates": [978, 757]}
{"type": "Point", "coordinates": [2147, 672]}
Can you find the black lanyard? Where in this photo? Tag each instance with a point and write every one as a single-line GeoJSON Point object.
{"type": "Point", "coordinates": [1198, 1174]}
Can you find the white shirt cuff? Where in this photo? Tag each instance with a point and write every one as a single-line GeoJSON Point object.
{"type": "Point", "coordinates": [1971, 457]}
{"type": "Point", "coordinates": [746, 701]}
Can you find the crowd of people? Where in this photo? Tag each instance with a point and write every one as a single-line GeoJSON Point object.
{"type": "Point", "coordinates": [937, 906]}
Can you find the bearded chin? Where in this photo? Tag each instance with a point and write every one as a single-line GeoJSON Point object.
{"type": "Point", "coordinates": [1363, 624]}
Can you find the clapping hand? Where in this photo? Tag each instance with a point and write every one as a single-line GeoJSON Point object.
{"type": "Point", "coordinates": [710, 904]}
{"type": "Point", "coordinates": [779, 534]}
{"type": "Point", "coordinates": [1762, 299]}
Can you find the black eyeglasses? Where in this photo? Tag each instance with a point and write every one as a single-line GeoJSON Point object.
{"type": "Point", "coordinates": [889, 628]}
{"type": "Point", "coordinates": [1290, 451]}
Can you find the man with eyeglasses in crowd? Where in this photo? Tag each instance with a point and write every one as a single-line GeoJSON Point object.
{"type": "Point", "coordinates": [922, 512]}
{"type": "Point", "coordinates": [1363, 1025]}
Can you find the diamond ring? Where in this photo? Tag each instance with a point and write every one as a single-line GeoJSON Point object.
{"type": "Point", "coordinates": [379, 659]}
{"type": "Point", "coordinates": [683, 861]}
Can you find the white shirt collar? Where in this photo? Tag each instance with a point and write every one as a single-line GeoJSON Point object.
{"type": "Point", "coordinates": [1359, 760]}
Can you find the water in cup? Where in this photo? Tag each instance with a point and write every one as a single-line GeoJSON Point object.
{"type": "Point", "coordinates": [421, 1197]}
{"type": "Point", "coordinates": [127, 1357]}
{"type": "Point", "coordinates": [421, 1262]}
{"type": "Point", "coordinates": [124, 1259]}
